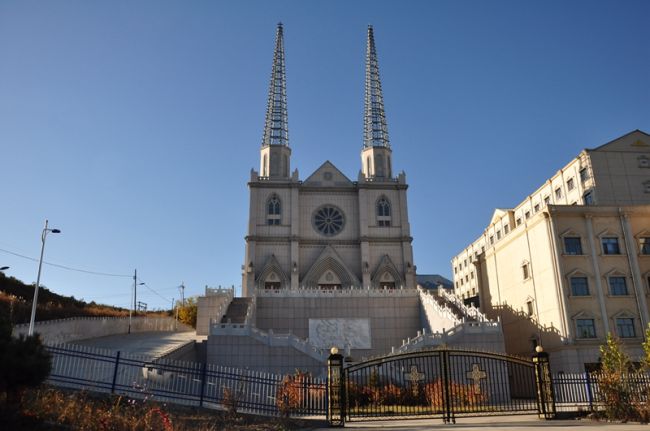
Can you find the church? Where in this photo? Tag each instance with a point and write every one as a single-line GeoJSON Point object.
{"type": "Point", "coordinates": [328, 260]}
{"type": "Point", "coordinates": [327, 231]}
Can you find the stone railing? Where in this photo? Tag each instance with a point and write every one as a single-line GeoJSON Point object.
{"type": "Point", "coordinates": [323, 293]}
{"type": "Point", "coordinates": [453, 336]}
{"type": "Point", "coordinates": [207, 312]}
{"type": "Point", "coordinates": [250, 312]}
{"type": "Point", "coordinates": [79, 328]}
{"type": "Point", "coordinates": [438, 316]}
{"type": "Point", "coordinates": [214, 291]}
{"type": "Point", "coordinates": [470, 311]}
{"type": "Point", "coordinates": [270, 339]}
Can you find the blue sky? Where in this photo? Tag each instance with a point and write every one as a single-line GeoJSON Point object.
{"type": "Point", "coordinates": [133, 125]}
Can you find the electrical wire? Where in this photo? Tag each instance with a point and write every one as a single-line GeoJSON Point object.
{"type": "Point", "coordinates": [159, 295]}
{"type": "Point", "coordinates": [69, 268]}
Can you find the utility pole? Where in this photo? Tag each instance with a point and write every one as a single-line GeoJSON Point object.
{"type": "Point", "coordinates": [135, 289]}
{"type": "Point", "coordinates": [132, 307]}
{"type": "Point", "coordinates": [182, 289]}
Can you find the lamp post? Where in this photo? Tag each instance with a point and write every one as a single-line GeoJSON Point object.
{"type": "Point", "coordinates": [46, 230]}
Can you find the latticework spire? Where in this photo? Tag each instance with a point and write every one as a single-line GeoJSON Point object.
{"type": "Point", "coordinates": [375, 130]}
{"type": "Point", "coordinates": [276, 129]}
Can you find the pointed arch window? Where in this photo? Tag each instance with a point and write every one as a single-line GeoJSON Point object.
{"type": "Point", "coordinates": [383, 212]}
{"type": "Point", "coordinates": [273, 210]}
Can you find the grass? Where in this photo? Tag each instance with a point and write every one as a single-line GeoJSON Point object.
{"type": "Point", "coordinates": [53, 409]}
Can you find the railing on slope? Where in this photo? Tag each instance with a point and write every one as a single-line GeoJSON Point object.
{"type": "Point", "coordinates": [450, 336]}
{"type": "Point", "coordinates": [188, 383]}
{"type": "Point", "coordinates": [428, 299]}
{"type": "Point", "coordinates": [469, 312]}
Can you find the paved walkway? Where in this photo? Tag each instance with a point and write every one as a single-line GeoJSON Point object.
{"type": "Point", "coordinates": [511, 423]}
{"type": "Point", "coordinates": [151, 344]}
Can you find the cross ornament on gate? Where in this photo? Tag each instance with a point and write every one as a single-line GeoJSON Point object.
{"type": "Point", "coordinates": [477, 375]}
{"type": "Point", "coordinates": [414, 376]}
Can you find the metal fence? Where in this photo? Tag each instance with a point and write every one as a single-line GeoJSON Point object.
{"type": "Point", "coordinates": [441, 383]}
{"type": "Point", "coordinates": [189, 383]}
{"type": "Point", "coordinates": [582, 391]}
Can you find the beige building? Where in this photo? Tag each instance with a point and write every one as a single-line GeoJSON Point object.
{"type": "Point", "coordinates": [572, 261]}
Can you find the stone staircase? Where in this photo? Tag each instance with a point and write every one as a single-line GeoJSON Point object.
{"type": "Point", "coordinates": [237, 311]}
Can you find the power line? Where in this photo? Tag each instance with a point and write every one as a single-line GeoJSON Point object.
{"type": "Point", "coordinates": [69, 268]}
{"type": "Point", "coordinates": [159, 295]}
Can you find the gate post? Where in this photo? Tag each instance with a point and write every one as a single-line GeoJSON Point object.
{"type": "Point", "coordinates": [545, 396]}
{"type": "Point", "coordinates": [335, 389]}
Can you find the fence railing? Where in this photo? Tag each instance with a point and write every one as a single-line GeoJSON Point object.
{"type": "Point", "coordinates": [189, 383]}
{"type": "Point", "coordinates": [582, 391]}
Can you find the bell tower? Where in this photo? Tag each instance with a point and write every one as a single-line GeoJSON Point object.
{"type": "Point", "coordinates": [376, 163]}
{"type": "Point", "coordinates": [275, 154]}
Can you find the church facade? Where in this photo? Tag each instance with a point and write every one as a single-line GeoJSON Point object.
{"type": "Point", "coordinates": [327, 232]}
{"type": "Point", "coordinates": [328, 260]}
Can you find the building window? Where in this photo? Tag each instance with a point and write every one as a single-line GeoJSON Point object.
{"type": "Point", "coordinates": [518, 221]}
{"type": "Point", "coordinates": [572, 245]}
{"type": "Point", "coordinates": [527, 215]}
{"type": "Point", "coordinates": [625, 327]}
{"type": "Point", "coordinates": [644, 162]}
{"type": "Point", "coordinates": [383, 212]}
{"type": "Point", "coordinates": [529, 308]}
{"type": "Point", "coordinates": [455, 270]}
{"type": "Point", "coordinates": [586, 328]}
{"type": "Point", "coordinates": [491, 240]}
{"type": "Point", "coordinates": [547, 200]}
{"type": "Point", "coordinates": [471, 274]}
{"type": "Point", "coordinates": [525, 268]}
{"type": "Point", "coordinates": [498, 234]}
{"type": "Point", "coordinates": [579, 286]}
{"type": "Point", "coordinates": [536, 207]}
{"type": "Point", "coordinates": [584, 175]}
{"type": "Point", "coordinates": [588, 198]}
{"type": "Point", "coordinates": [617, 286]}
{"type": "Point", "coordinates": [645, 245]}
{"type": "Point", "coordinates": [273, 210]}
{"type": "Point", "coordinates": [328, 220]}
{"type": "Point", "coordinates": [610, 245]}
{"type": "Point", "coordinates": [506, 229]}
{"type": "Point", "coordinates": [558, 193]}
{"type": "Point", "coordinates": [570, 185]}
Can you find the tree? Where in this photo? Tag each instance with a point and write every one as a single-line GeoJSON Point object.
{"type": "Point", "coordinates": [24, 362]}
{"type": "Point", "coordinates": [187, 312]}
{"type": "Point", "coordinates": [614, 380]}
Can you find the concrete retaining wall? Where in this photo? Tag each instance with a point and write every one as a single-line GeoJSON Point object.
{"type": "Point", "coordinates": [79, 328]}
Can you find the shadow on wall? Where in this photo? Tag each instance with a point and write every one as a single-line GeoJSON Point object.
{"type": "Point", "coordinates": [522, 332]}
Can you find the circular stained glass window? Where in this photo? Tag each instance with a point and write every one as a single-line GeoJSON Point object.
{"type": "Point", "coordinates": [328, 220]}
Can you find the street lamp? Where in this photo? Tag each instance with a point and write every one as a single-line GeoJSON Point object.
{"type": "Point", "coordinates": [4, 268]}
{"type": "Point", "coordinates": [38, 278]}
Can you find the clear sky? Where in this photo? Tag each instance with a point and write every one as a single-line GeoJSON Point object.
{"type": "Point", "coordinates": [133, 125]}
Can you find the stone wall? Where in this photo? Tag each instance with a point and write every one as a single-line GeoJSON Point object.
{"type": "Point", "coordinates": [79, 328]}
{"type": "Point", "coordinates": [211, 307]}
{"type": "Point", "coordinates": [247, 352]}
{"type": "Point", "coordinates": [393, 316]}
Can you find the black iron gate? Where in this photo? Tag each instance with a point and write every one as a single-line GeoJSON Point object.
{"type": "Point", "coordinates": [441, 383]}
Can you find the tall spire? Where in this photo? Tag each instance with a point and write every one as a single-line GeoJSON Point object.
{"type": "Point", "coordinates": [375, 130]}
{"type": "Point", "coordinates": [276, 129]}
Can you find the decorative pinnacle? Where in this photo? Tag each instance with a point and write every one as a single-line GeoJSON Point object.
{"type": "Point", "coordinates": [375, 129]}
{"type": "Point", "coordinates": [276, 128]}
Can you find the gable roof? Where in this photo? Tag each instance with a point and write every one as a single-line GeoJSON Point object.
{"type": "Point", "coordinates": [636, 140]}
{"type": "Point", "coordinates": [328, 175]}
